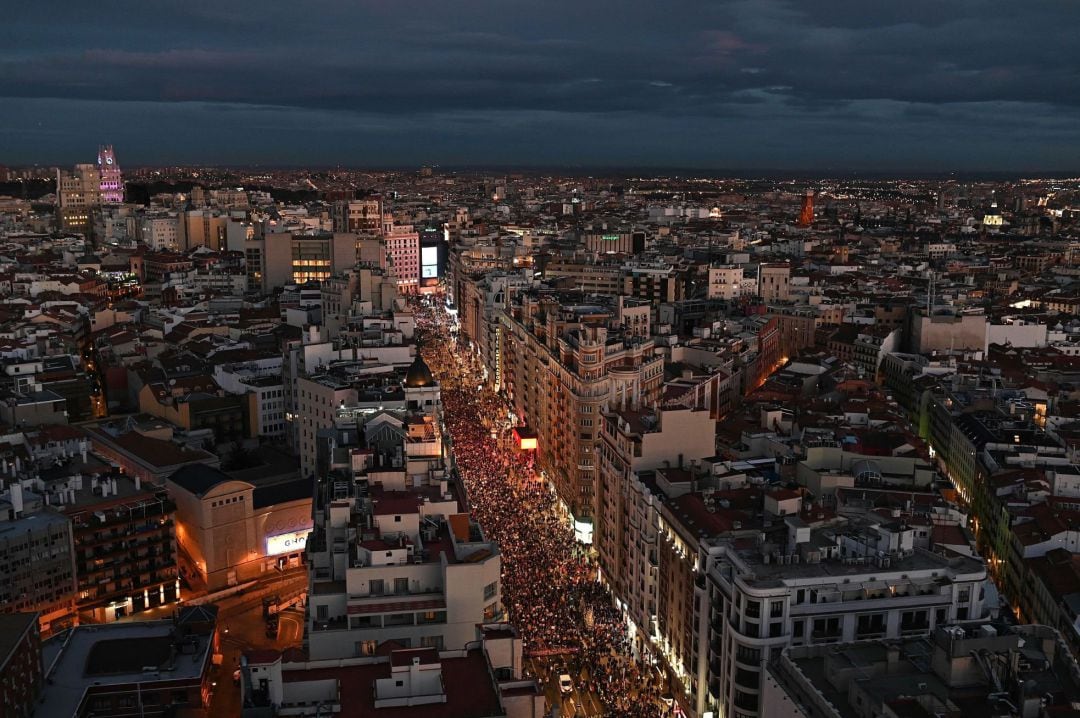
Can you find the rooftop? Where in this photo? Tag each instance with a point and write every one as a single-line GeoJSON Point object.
{"type": "Point", "coordinates": [12, 628]}
{"type": "Point", "coordinates": [467, 682]}
{"type": "Point", "coordinates": [1019, 665]}
{"type": "Point", "coordinates": [117, 654]}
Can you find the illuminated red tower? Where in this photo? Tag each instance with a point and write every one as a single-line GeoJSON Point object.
{"type": "Point", "coordinates": [806, 217]}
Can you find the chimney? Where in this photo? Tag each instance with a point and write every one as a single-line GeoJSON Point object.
{"type": "Point", "coordinates": [17, 499]}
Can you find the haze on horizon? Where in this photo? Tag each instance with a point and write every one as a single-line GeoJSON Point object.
{"type": "Point", "coordinates": [926, 85]}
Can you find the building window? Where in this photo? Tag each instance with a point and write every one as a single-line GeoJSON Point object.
{"type": "Point", "coordinates": [490, 589]}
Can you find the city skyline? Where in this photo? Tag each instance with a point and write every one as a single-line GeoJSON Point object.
{"type": "Point", "coordinates": [973, 87]}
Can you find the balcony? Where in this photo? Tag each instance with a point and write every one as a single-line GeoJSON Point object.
{"type": "Point", "coordinates": [914, 629]}
{"type": "Point", "coordinates": [889, 601]}
{"type": "Point", "coordinates": [340, 623]}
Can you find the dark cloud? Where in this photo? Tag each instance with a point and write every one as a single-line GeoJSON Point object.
{"type": "Point", "coordinates": [744, 83]}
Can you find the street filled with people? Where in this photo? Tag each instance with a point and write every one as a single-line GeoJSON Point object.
{"type": "Point", "coordinates": [550, 586]}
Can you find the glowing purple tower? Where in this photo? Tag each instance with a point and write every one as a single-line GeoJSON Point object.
{"type": "Point", "coordinates": [112, 181]}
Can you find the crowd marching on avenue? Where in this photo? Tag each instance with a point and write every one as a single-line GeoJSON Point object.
{"type": "Point", "coordinates": [549, 580]}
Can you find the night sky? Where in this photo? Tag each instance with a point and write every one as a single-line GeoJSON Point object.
{"type": "Point", "coordinates": [919, 85]}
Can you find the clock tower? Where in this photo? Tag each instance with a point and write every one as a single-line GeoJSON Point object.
{"type": "Point", "coordinates": [112, 182]}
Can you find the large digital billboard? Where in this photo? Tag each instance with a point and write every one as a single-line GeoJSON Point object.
{"type": "Point", "coordinates": [287, 543]}
{"type": "Point", "coordinates": [429, 262]}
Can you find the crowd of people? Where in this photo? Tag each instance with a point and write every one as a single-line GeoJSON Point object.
{"type": "Point", "coordinates": [549, 580]}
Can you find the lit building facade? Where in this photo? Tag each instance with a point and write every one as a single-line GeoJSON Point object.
{"type": "Point", "coordinates": [561, 368]}
{"type": "Point", "coordinates": [403, 255]}
{"type": "Point", "coordinates": [112, 181]}
{"type": "Point", "coordinates": [78, 194]}
{"type": "Point", "coordinates": [234, 530]}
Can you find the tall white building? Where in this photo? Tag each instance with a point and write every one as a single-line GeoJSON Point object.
{"type": "Point", "coordinates": [394, 555]}
{"type": "Point", "coordinates": [834, 584]}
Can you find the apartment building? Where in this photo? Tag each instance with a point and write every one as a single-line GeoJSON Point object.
{"type": "Point", "coordinates": [37, 564]}
{"type": "Point", "coordinates": [725, 282]}
{"type": "Point", "coordinates": [811, 586]}
{"type": "Point", "coordinates": [988, 669]}
{"type": "Point", "coordinates": [361, 216]}
{"type": "Point", "coordinates": [774, 281]}
{"type": "Point", "coordinates": [21, 665]}
{"type": "Point", "coordinates": [631, 443]}
{"type": "Point", "coordinates": [394, 555]}
{"type": "Point", "coordinates": [483, 681]}
{"type": "Point", "coordinates": [403, 254]}
{"type": "Point", "coordinates": [561, 368]}
{"type": "Point", "coordinates": [78, 195]}
{"type": "Point", "coordinates": [144, 668]}
{"type": "Point", "coordinates": [125, 547]}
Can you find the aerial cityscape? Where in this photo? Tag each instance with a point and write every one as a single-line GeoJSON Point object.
{"type": "Point", "coordinates": [551, 360]}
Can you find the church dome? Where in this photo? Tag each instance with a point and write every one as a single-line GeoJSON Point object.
{"type": "Point", "coordinates": [419, 375]}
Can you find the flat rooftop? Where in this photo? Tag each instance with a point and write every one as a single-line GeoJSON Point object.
{"type": "Point", "coordinates": [776, 574]}
{"type": "Point", "coordinates": [114, 654]}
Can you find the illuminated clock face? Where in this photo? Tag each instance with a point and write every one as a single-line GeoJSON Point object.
{"type": "Point", "coordinates": [108, 160]}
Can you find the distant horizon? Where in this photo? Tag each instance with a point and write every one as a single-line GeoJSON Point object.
{"type": "Point", "coordinates": [625, 171]}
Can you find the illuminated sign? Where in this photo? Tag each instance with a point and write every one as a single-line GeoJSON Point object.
{"type": "Point", "coordinates": [287, 543]}
{"type": "Point", "coordinates": [526, 438]}
{"type": "Point", "coordinates": [583, 531]}
{"type": "Point", "coordinates": [610, 237]}
{"type": "Point", "coordinates": [429, 262]}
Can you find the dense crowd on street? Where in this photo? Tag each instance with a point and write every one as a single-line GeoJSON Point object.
{"type": "Point", "coordinates": [549, 582]}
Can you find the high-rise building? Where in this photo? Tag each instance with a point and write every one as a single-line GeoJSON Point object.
{"type": "Point", "coordinates": [274, 260]}
{"type": "Point", "coordinates": [806, 216]}
{"type": "Point", "coordinates": [774, 281]}
{"type": "Point", "coordinates": [561, 367]}
{"type": "Point", "coordinates": [38, 568]}
{"type": "Point", "coordinates": [363, 216]}
{"type": "Point", "coordinates": [828, 585]}
{"type": "Point", "coordinates": [78, 194]}
{"type": "Point", "coordinates": [112, 181]}
{"type": "Point", "coordinates": [403, 254]}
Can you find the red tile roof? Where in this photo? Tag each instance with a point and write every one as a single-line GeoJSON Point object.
{"type": "Point", "coordinates": [470, 692]}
